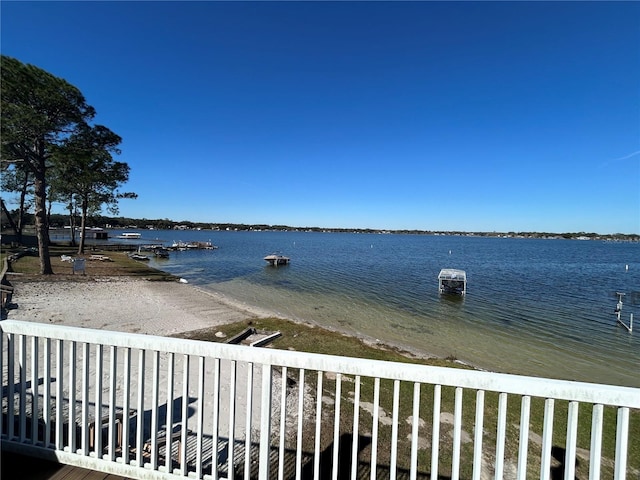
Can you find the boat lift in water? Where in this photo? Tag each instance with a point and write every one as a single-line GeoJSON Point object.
{"type": "Point", "coordinates": [452, 281]}
{"type": "Point", "coordinates": [618, 313]}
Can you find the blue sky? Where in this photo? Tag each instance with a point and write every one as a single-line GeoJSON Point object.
{"type": "Point", "coordinates": [481, 116]}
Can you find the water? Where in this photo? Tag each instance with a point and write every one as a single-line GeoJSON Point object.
{"type": "Point", "coordinates": [533, 306]}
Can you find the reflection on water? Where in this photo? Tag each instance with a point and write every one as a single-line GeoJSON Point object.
{"type": "Point", "coordinates": [540, 307]}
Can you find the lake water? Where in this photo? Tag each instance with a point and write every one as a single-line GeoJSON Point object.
{"type": "Point", "coordinates": [533, 306]}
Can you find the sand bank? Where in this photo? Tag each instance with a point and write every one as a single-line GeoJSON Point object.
{"type": "Point", "coordinates": [134, 305]}
{"type": "Point", "coordinates": [125, 304]}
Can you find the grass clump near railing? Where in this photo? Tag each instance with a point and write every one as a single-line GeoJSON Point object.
{"type": "Point", "coordinates": [308, 338]}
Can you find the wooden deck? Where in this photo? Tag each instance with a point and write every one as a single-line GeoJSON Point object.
{"type": "Point", "coordinates": [20, 466]}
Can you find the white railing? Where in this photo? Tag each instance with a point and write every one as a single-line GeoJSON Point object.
{"type": "Point", "coordinates": [155, 407]}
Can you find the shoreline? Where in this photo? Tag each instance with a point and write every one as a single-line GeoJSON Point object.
{"type": "Point", "coordinates": [170, 308]}
{"type": "Point", "coordinates": [135, 305]}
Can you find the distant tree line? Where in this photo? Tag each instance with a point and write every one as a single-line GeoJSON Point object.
{"type": "Point", "coordinates": [52, 151]}
{"type": "Point", "coordinates": [97, 220]}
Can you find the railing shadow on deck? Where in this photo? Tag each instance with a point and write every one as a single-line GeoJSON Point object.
{"type": "Point", "coordinates": [293, 467]}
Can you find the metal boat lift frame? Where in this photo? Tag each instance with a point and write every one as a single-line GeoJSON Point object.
{"type": "Point", "coordinates": [452, 281]}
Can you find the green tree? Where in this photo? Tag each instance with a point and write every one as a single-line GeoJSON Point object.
{"type": "Point", "coordinates": [85, 172]}
{"type": "Point", "coordinates": [39, 111]}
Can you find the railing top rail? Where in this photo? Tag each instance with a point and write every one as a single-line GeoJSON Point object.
{"type": "Point", "coordinates": [471, 379]}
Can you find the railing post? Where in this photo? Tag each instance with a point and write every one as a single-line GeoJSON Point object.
{"type": "Point", "coordinates": [356, 427]}
{"type": "Point", "coordinates": [46, 406]}
{"type": "Point", "coordinates": [622, 440]}
{"type": "Point", "coordinates": [414, 431]}
{"type": "Point", "coordinates": [336, 427]}
{"type": "Point", "coordinates": [457, 432]}
{"type": "Point", "coordinates": [112, 404]}
{"type": "Point", "coordinates": [316, 453]}
{"type": "Point", "coordinates": [525, 414]}
{"type": "Point", "coordinates": [169, 418]}
{"type": "Point", "coordinates": [97, 420]}
{"type": "Point", "coordinates": [572, 439]}
{"type": "Point", "coordinates": [23, 388]}
{"type": "Point", "coordinates": [59, 393]}
{"type": "Point", "coordinates": [501, 434]}
{"type": "Point", "coordinates": [477, 444]}
{"type": "Point", "coordinates": [374, 428]}
{"type": "Point", "coordinates": [248, 417]}
{"type": "Point", "coordinates": [184, 414]}
{"type": "Point", "coordinates": [155, 380]}
{"type": "Point", "coordinates": [84, 441]}
{"type": "Point", "coordinates": [547, 439]}
{"type": "Point", "coordinates": [126, 392]}
{"type": "Point", "coordinates": [232, 419]}
{"type": "Point", "coordinates": [216, 417]}
{"type": "Point", "coordinates": [140, 409]}
{"type": "Point", "coordinates": [283, 420]}
{"type": "Point", "coordinates": [11, 379]}
{"type": "Point", "coordinates": [596, 441]}
{"type": "Point", "coordinates": [200, 414]}
{"type": "Point", "coordinates": [300, 423]}
{"type": "Point", "coordinates": [435, 431]}
{"type": "Point", "coordinates": [34, 390]}
{"type": "Point", "coordinates": [72, 396]}
{"type": "Point", "coordinates": [265, 422]}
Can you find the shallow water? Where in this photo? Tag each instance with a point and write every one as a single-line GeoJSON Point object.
{"type": "Point", "coordinates": [533, 306]}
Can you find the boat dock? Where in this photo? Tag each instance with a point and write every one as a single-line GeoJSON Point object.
{"type": "Point", "coordinates": [180, 245]}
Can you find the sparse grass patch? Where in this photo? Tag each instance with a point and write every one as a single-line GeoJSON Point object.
{"type": "Point", "coordinates": [119, 265]}
{"type": "Point", "coordinates": [313, 339]}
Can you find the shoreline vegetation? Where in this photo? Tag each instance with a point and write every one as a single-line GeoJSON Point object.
{"type": "Point", "coordinates": [59, 222]}
{"type": "Point", "coordinates": [129, 296]}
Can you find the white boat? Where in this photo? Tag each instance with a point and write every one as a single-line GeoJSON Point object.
{"type": "Point", "coordinates": [129, 235]}
{"type": "Point", "coordinates": [139, 257]}
{"type": "Point", "coordinates": [275, 259]}
{"type": "Point", "coordinates": [452, 281]}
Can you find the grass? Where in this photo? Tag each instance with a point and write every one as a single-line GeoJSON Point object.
{"type": "Point", "coordinates": [120, 265]}
{"type": "Point", "coordinates": [307, 338]}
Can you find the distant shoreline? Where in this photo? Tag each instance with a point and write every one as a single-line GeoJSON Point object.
{"type": "Point", "coordinates": [58, 225]}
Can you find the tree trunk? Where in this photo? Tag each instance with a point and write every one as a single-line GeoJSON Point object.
{"type": "Point", "coordinates": [83, 224]}
{"type": "Point", "coordinates": [23, 196]}
{"type": "Point", "coordinates": [42, 228]}
{"type": "Point", "coordinates": [39, 168]}
{"type": "Point", "coordinates": [72, 222]}
{"type": "Point", "coordinates": [49, 207]}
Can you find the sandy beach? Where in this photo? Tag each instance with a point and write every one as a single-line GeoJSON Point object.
{"type": "Point", "coordinates": [134, 305]}
{"type": "Point", "coordinates": [125, 304]}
